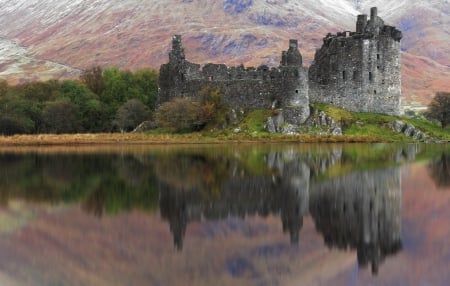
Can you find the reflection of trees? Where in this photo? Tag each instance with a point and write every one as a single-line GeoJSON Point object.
{"type": "Point", "coordinates": [96, 180]}
{"type": "Point", "coordinates": [440, 170]}
{"type": "Point", "coordinates": [193, 170]}
{"type": "Point", "coordinates": [94, 204]}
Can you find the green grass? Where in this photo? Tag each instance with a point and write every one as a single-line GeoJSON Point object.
{"type": "Point", "coordinates": [377, 126]}
{"type": "Point", "coordinates": [255, 121]}
{"type": "Point", "coordinates": [356, 127]}
{"type": "Point", "coordinates": [430, 128]}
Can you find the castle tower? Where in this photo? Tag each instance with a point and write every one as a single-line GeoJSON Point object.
{"type": "Point", "coordinates": [359, 71]}
{"type": "Point", "coordinates": [361, 24]}
{"type": "Point", "coordinates": [176, 55]}
{"type": "Point", "coordinates": [292, 55]}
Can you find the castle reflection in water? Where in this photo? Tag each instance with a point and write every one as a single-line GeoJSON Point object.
{"type": "Point", "coordinates": [356, 209]}
{"type": "Point", "coordinates": [352, 193]}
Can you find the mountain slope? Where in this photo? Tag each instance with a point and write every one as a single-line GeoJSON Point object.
{"type": "Point", "coordinates": [133, 33]}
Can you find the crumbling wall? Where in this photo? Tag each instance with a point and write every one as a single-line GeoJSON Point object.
{"type": "Point", "coordinates": [262, 87]}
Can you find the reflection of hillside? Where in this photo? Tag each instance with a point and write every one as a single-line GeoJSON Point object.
{"type": "Point", "coordinates": [439, 170]}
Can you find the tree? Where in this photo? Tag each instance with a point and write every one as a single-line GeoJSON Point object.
{"type": "Point", "coordinates": [93, 79]}
{"type": "Point", "coordinates": [212, 106]}
{"type": "Point", "coordinates": [131, 113]}
{"type": "Point", "coordinates": [18, 115]}
{"type": "Point", "coordinates": [181, 114]}
{"type": "Point", "coordinates": [147, 81]}
{"type": "Point", "coordinates": [39, 91]}
{"type": "Point", "coordinates": [11, 125]}
{"type": "Point", "coordinates": [61, 117]}
{"type": "Point", "coordinates": [192, 114]}
{"type": "Point", "coordinates": [92, 115]}
{"type": "Point", "coordinates": [439, 108]}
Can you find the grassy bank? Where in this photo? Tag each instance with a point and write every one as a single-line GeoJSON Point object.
{"type": "Point", "coordinates": [357, 127]}
{"type": "Point", "coordinates": [190, 138]}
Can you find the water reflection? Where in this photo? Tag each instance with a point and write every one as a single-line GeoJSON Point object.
{"type": "Point", "coordinates": [362, 211]}
{"type": "Point", "coordinates": [439, 170]}
{"type": "Point", "coordinates": [353, 194]}
{"type": "Point", "coordinates": [358, 209]}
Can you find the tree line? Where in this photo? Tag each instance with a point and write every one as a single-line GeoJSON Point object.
{"type": "Point", "coordinates": [101, 100]}
{"type": "Point", "coordinates": [113, 100]}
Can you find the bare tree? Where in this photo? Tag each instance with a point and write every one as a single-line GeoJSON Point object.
{"type": "Point", "coordinates": [439, 108]}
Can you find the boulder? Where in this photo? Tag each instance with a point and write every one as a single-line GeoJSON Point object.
{"type": "Point", "coordinates": [336, 131]}
{"type": "Point", "coordinates": [270, 125]}
{"type": "Point", "coordinates": [398, 126]}
{"type": "Point", "coordinates": [409, 130]}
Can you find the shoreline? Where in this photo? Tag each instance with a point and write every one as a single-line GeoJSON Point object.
{"type": "Point", "coordinates": [170, 139]}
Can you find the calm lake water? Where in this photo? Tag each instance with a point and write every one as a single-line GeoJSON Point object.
{"type": "Point", "coordinates": [372, 214]}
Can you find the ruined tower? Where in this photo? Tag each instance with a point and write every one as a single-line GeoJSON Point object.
{"type": "Point", "coordinates": [359, 71]}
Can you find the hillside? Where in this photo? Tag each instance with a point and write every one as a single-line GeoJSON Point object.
{"type": "Point", "coordinates": [57, 38]}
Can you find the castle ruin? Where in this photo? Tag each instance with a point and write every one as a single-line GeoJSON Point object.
{"type": "Point", "coordinates": [358, 71]}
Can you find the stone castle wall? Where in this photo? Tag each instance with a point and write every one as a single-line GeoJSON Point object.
{"type": "Point", "coordinates": [241, 87]}
{"type": "Point", "coordinates": [358, 71]}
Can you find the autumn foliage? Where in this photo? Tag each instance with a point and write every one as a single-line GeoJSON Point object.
{"type": "Point", "coordinates": [189, 113]}
{"type": "Point", "coordinates": [439, 108]}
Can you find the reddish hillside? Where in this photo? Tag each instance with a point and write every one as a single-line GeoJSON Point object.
{"type": "Point", "coordinates": [56, 38]}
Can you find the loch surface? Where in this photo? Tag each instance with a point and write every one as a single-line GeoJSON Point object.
{"type": "Point", "coordinates": [255, 214]}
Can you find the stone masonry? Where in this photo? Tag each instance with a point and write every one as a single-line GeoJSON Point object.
{"type": "Point", "coordinates": [358, 71]}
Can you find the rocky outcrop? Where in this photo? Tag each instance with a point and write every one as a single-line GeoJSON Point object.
{"type": "Point", "coordinates": [319, 123]}
{"type": "Point", "coordinates": [408, 129]}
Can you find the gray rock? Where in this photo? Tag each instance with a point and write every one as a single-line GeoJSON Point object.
{"type": "Point", "coordinates": [398, 126]}
{"type": "Point", "coordinates": [409, 130]}
{"type": "Point", "coordinates": [322, 119]}
{"type": "Point", "coordinates": [419, 135]}
{"type": "Point", "coordinates": [278, 120]}
{"type": "Point", "coordinates": [270, 126]}
{"type": "Point", "coordinates": [336, 131]}
{"type": "Point", "coordinates": [232, 116]}
{"type": "Point", "coordinates": [290, 129]}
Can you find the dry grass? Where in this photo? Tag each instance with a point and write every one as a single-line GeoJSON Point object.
{"type": "Point", "coordinates": [84, 139]}
{"type": "Point", "coordinates": [142, 138]}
